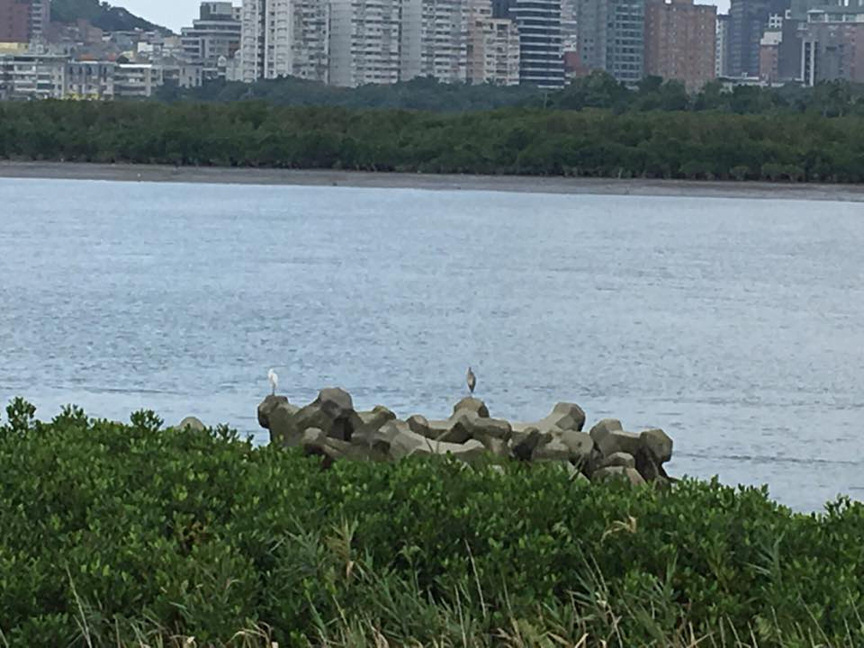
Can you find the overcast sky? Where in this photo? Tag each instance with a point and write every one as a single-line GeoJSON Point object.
{"type": "Point", "coordinates": [171, 13]}
{"type": "Point", "coordinates": [178, 13]}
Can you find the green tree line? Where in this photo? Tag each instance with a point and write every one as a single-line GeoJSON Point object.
{"type": "Point", "coordinates": [418, 94]}
{"type": "Point", "coordinates": [585, 143]}
{"type": "Point", "coordinates": [136, 535]}
{"type": "Point", "coordinates": [599, 90]}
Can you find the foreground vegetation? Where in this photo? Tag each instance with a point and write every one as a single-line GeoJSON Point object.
{"type": "Point", "coordinates": [592, 143]}
{"type": "Point", "coordinates": [116, 535]}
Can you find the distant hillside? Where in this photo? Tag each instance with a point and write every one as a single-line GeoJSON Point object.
{"type": "Point", "coordinates": [101, 15]}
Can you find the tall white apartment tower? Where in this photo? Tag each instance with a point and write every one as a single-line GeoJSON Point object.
{"type": "Point", "coordinates": [721, 45]}
{"type": "Point", "coordinates": [411, 40]}
{"type": "Point", "coordinates": [40, 17]}
{"type": "Point", "coordinates": [311, 34]}
{"type": "Point", "coordinates": [435, 39]}
{"type": "Point", "coordinates": [365, 42]}
{"type": "Point", "coordinates": [284, 38]}
{"type": "Point", "coordinates": [261, 37]}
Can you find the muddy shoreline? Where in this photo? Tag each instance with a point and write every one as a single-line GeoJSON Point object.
{"type": "Point", "coordinates": [519, 184]}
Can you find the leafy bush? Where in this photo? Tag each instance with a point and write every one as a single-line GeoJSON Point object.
{"type": "Point", "coordinates": [114, 534]}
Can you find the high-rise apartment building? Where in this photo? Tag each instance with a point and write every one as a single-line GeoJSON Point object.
{"type": "Point", "coordinates": [214, 35]}
{"type": "Point", "coordinates": [569, 25]}
{"type": "Point", "coordinates": [769, 57]}
{"type": "Point", "coordinates": [310, 35]}
{"type": "Point", "coordinates": [789, 51]}
{"type": "Point", "coordinates": [434, 39]}
{"type": "Point", "coordinates": [832, 50]}
{"type": "Point", "coordinates": [591, 33]}
{"type": "Point", "coordinates": [540, 39]}
{"type": "Point", "coordinates": [444, 42]}
{"type": "Point", "coordinates": [570, 39]}
{"type": "Point", "coordinates": [540, 44]}
{"type": "Point", "coordinates": [819, 41]}
{"type": "Point", "coordinates": [265, 43]}
{"type": "Point", "coordinates": [748, 20]}
{"type": "Point", "coordinates": [40, 18]}
{"type": "Point", "coordinates": [612, 37]}
{"type": "Point", "coordinates": [23, 21]}
{"type": "Point", "coordinates": [282, 38]}
{"type": "Point", "coordinates": [14, 21]}
{"type": "Point", "coordinates": [357, 42]}
{"type": "Point", "coordinates": [780, 50]}
{"type": "Point", "coordinates": [365, 42]}
{"type": "Point", "coordinates": [680, 41]}
{"type": "Point", "coordinates": [721, 46]}
{"type": "Point", "coordinates": [411, 40]}
{"type": "Point", "coordinates": [493, 47]}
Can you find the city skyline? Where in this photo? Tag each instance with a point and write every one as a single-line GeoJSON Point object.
{"type": "Point", "coordinates": [175, 14]}
{"type": "Point", "coordinates": [352, 43]}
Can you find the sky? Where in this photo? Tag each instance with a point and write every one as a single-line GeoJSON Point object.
{"type": "Point", "coordinates": [175, 14]}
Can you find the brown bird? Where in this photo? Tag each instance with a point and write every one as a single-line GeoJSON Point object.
{"type": "Point", "coordinates": [472, 380]}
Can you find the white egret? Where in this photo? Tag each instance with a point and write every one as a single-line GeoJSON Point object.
{"type": "Point", "coordinates": [472, 380]}
{"type": "Point", "coordinates": [274, 380]}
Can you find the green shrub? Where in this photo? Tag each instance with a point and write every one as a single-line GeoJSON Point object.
{"type": "Point", "coordinates": [115, 534]}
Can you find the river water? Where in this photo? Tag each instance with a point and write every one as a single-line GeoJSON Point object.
{"type": "Point", "coordinates": [736, 325]}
